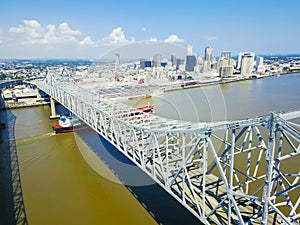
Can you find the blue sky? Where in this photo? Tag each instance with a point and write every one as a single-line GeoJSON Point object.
{"type": "Point", "coordinates": [88, 29]}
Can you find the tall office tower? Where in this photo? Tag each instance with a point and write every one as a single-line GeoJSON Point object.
{"type": "Point", "coordinates": [179, 62]}
{"type": "Point", "coordinates": [252, 54]}
{"type": "Point", "coordinates": [260, 68]}
{"type": "Point", "coordinates": [189, 50]}
{"type": "Point", "coordinates": [173, 60]}
{"type": "Point", "coordinates": [225, 67]}
{"type": "Point", "coordinates": [157, 59]}
{"type": "Point", "coordinates": [190, 63]}
{"type": "Point", "coordinates": [199, 60]}
{"type": "Point", "coordinates": [226, 54]}
{"type": "Point", "coordinates": [239, 61]}
{"type": "Point", "coordinates": [259, 60]}
{"type": "Point", "coordinates": [247, 64]}
{"type": "Point", "coordinates": [142, 63]}
{"type": "Point", "coordinates": [209, 54]}
{"type": "Point", "coordinates": [117, 62]}
{"type": "Point", "coordinates": [206, 67]}
{"type": "Point", "coordinates": [240, 57]}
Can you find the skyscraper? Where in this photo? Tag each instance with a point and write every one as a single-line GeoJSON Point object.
{"type": "Point", "coordinates": [260, 68]}
{"type": "Point", "coordinates": [190, 63]}
{"type": "Point", "coordinates": [189, 50]}
{"type": "Point", "coordinates": [209, 54]}
{"type": "Point", "coordinates": [259, 60]}
{"type": "Point", "coordinates": [179, 62]}
{"type": "Point", "coordinates": [225, 67]}
{"type": "Point", "coordinates": [226, 54]}
{"type": "Point", "coordinates": [157, 59]}
{"type": "Point", "coordinates": [249, 56]}
{"type": "Point", "coordinates": [117, 62]}
{"type": "Point", "coordinates": [239, 61]}
{"type": "Point", "coordinates": [173, 60]}
{"type": "Point", "coordinates": [247, 64]}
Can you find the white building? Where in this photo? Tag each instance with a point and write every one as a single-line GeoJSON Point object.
{"type": "Point", "coordinates": [247, 64]}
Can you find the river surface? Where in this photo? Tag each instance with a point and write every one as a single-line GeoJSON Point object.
{"type": "Point", "coordinates": [230, 101]}
{"type": "Point", "coordinates": [59, 187]}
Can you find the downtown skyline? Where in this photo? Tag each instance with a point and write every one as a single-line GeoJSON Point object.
{"type": "Point", "coordinates": [90, 29]}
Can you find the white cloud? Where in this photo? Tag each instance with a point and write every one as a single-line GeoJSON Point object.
{"type": "Point", "coordinates": [211, 38]}
{"type": "Point", "coordinates": [31, 32]}
{"type": "Point", "coordinates": [87, 41]}
{"type": "Point", "coordinates": [144, 29]}
{"type": "Point", "coordinates": [153, 39]}
{"type": "Point", "coordinates": [116, 37]}
{"type": "Point", "coordinates": [65, 29]}
{"type": "Point", "coordinates": [173, 39]}
{"type": "Point", "coordinates": [19, 29]}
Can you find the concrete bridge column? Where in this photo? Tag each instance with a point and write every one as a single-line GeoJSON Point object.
{"type": "Point", "coordinates": [38, 96]}
{"type": "Point", "coordinates": [53, 111]}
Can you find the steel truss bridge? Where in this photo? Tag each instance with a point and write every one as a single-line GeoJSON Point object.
{"type": "Point", "coordinates": [229, 172]}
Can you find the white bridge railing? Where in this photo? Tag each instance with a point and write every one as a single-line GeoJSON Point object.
{"type": "Point", "coordinates": [235, 172]}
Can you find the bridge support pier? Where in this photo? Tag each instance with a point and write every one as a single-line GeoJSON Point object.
{"type": "Point", "coordinates": [38, 95]}
{"type": "Point", "coordinates": [53, 111]}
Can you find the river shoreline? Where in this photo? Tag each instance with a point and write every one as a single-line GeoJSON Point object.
{"type": "Point", "coordinates": [32, 102]}
{"type": "Point", "coordinates": [225, 81]}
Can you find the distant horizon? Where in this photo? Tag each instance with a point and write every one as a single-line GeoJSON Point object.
{"type": "Point", "coordinates": [112, 58]}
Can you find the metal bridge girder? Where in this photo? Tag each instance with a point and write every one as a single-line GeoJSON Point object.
{"type": "Point", "coordinates": [222, 172]}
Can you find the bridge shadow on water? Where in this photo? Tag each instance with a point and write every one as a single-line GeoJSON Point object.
{"type": "Point", "coordinates": [12, 209]}
{"type": "Point", "coordinates": [160, 205]}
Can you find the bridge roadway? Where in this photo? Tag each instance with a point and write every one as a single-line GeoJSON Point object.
{"type": "Point", "coordinates": [223, 172]}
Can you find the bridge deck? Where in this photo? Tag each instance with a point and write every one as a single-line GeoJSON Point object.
{"type": "Point", "coordinates": [165, 149]}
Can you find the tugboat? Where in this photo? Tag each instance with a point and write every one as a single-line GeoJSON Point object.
{"type": "Point", "coordinates": [64, 125]}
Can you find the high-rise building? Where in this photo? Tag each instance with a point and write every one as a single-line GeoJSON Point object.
{"type": "Point", "coordinates": [226, 54]}
{"type": "Point", "coordinates": [190, 63]}
{"type": "Point", "coordinates": [199, 60]}
{"type": "Point", "coordinates": [117, 62]}
{"type": "Point", "coordinates": [225, 67]}
{"type": "Point", "coordinates": [259, 60]}
{"type": "Point", "coordinates": [239, 61]}
{"type": "Point", "coordinates": [179, 62]}
{"type": "Point", "coordinates": [240, 58]}
{"type": "Point", "coordinates": [206, 67]}
{"type": "Point", "coordinates": [247, 64]}
{"type": "Point", "coordinates": [260, 68]}
{"type": "Point", "coordinates": [157, 59]}
{"type": "Point", "coordinates": [173, 60]}
{"type": "Point", "coordinates": [209, 54]}
{"type": "Point", "coordinates": [145, 63]}
{"type": "Point", "coordinates": [189, 50]}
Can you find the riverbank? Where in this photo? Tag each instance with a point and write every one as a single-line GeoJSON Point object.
{"type": "Point", "coordinates": [22, 103]}
{"type": "Point", "coordinates": [222, 81]}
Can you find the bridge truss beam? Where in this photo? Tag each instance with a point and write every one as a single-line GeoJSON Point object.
{"type": "Point", "coordinates": [234, 172]}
